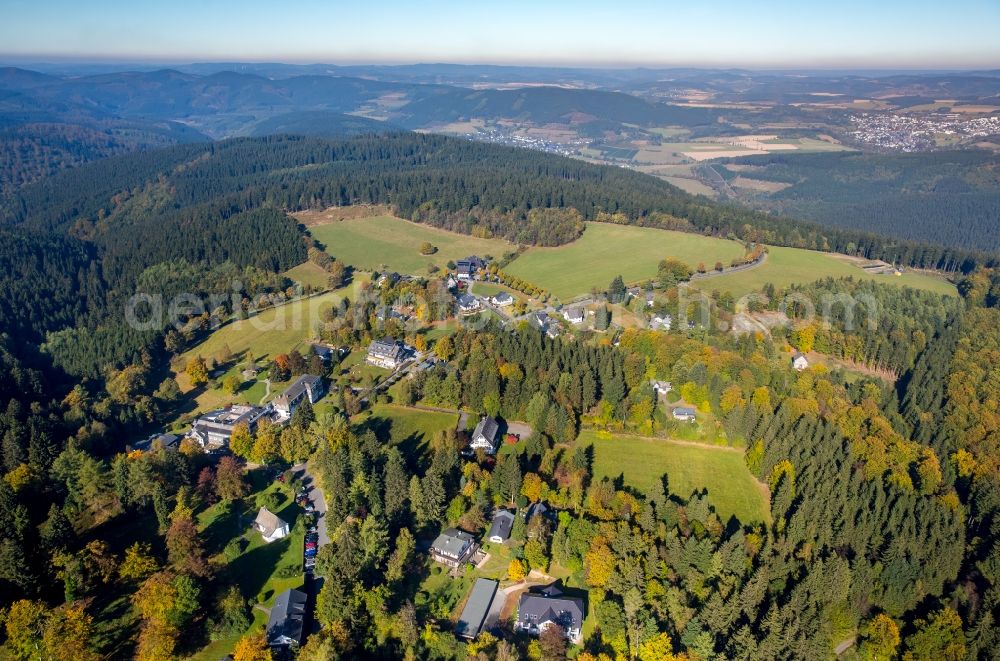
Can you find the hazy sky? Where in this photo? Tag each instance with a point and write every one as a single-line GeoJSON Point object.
{"type": "Point", "coordinates": [787, 33]}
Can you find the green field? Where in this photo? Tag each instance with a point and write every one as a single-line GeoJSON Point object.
{"type": "Point", "coordinates": [787, 266]}
{"type": "Point", "coordinates": [605, 251]}
{"type": "Point", "coordinates": [732, 490]}
{"type": "Point", "coordinates": [275, 330]}
{"type": "Point", "coordinates": [309, 274]}
{"type": "Point", "coordinates": [384, 241]}
{"type": "Point", "coordinates": [409, 427]}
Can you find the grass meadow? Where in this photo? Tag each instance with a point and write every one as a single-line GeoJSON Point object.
{"type": "Point", "coordinates": [732, 490]}
{"type": "Point", "coordinates": [385, 241]}
{"type": "Point", "coordinates": [787, 266]}
{"type": "Point", "coordinates": [605, 251]}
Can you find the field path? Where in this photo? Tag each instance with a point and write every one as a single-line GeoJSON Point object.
{"type": "Point", "coordinates": [267, 391]}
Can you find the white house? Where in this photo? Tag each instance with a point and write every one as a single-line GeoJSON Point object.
{"type": "Point", "coordinates": [485, 435]}
{"type": "Point", "coordinates": [467, 304]}
{"type": "Point", "coordinates": [661, 387]}
{"type": "Point", "coordinates": [538, 611]}
{"type": "Point", "coordinates": [661, 322]}
{"type": "Point", "coordinates": [799, 361]}
{"type": "Point", "coordinates": [574, 315]}
{"type": "Point", "coordinates": [269, 525]}
{"type": "Point", "coordinates": [502, 299]}
{"type": "Point", "coordinates": [503, 523]}
{"type": "Point", "coordinates": [307, 386]}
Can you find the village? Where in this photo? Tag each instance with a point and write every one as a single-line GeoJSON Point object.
{"type": "Point", "coordinates": [535, 602]}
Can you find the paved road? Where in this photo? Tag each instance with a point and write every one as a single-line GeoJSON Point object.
{"type": "Point", "coordinates": [315, 495]}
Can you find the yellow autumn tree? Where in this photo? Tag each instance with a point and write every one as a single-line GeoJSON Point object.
{"type": "Point", "coordinates": [516, 570]}
{"type": "Point", "coordinates": [252, 647]}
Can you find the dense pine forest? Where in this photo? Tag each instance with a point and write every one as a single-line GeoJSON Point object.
{"type": "Point", "coordinates": [881, 538]}
{"type": "Point", "coordinates": [948, 198]}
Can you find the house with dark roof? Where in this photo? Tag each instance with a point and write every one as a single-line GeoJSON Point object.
{"type": "Point", "coordinates": [486, 435]}
{"type": "Point", "coordinates": [170, 442]}
{"type": "Point", "coordinates": [537, 611]}
{"type": "Point", "coordinates": [503, 523]}
{"type": "Point", "coordinates": [467, 303]}
{"type": "Point", "coordinates": [466, 269]}
{"type": "Point", "coordinates": [269, 525]}
{"type": "Point", "coordinates": [306, 387]}
{"type": "Point", "coordinates": [502, 299]}
{"type": "Point", "coordinates": [324, 352]}
{"type": "Point", "coordinates": [574, 315]}
{"type": "Point", "coordinates": [285, 624]}
{"type": "Point", "coordinates": [685, 414]}
{"type": "Point", "coordinates": [453, 547]}
{"type": "Point", "coordinates": [470, 622]}
{"type": "Point", "coordinates": [386, 353]}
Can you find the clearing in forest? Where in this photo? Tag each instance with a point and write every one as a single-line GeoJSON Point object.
{"type": "Point", "coordinates": [731, 488]}
{"type": "Point", "coordinates": [381, 242]}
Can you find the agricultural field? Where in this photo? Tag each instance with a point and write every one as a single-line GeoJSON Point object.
{"type": "Point", "coordinates": [605, 251]}
{"type": "Point", "coordinates": [388, 242]}
{"type": "Point", "coordinates": [732, 490]}
{"type": "Point", "coordinates": [787, 266]}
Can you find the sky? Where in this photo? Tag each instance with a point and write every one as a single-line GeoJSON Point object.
{"type": "Point", "coordinates": [739, 33]}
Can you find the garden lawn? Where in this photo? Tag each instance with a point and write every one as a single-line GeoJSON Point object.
{"type": "Point", "coordinates": [605, 251]}
{"type": "Point", "coordinates": [262, 571]}
{"type": "Point", "coordinates": [732, 489]}
{"type": "Point", "coordinates": [788, 266]}
{"type": "Point", "coordinates": [392, 243]}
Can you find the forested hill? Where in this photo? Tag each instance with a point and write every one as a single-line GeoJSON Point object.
{"type": "Point", "coordinates": [949, 198]}
{"type": "Point", "coordinates": [452, 183]}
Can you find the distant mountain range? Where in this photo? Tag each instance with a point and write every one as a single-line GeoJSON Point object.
{"type": "Point", "coordinates": [111, 111]}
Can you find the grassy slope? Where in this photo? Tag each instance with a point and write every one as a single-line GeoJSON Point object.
{"type": "Point", "coordinates": [273, 331]}
{"type": "Point", "coordinates": [731, 487]}
{"type": "Point", "coordinates": [412, 429]}
{"type": "Point", "coordinates": [605, 251]}
{"type": "Point", "coordinates": [256, 570]}
{"type": "Point", "coordinates": [308, 273]}
{"type": "Point", "coordinates": [786, 266]}
{"type": "Point", "coordinates": [369, 243]}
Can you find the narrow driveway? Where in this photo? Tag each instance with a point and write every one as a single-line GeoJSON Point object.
{"type": "Point", "coordinates": [315, 495]}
